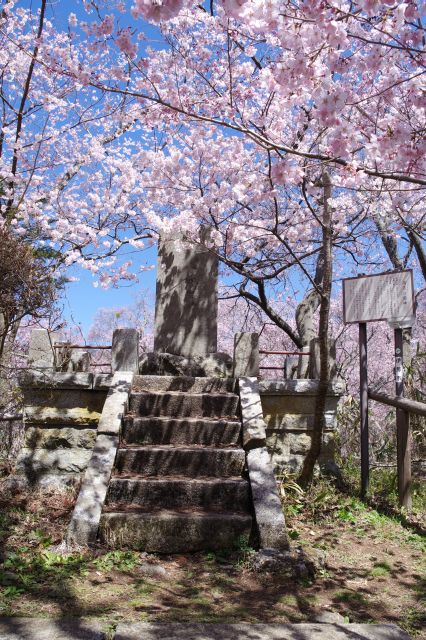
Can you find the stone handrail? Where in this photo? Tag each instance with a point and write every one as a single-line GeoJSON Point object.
{"type": "Point", "coordinates": [84, 524]}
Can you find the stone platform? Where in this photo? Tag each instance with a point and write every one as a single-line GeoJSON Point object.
{"type": "Point", "coordinates": [78, 629]}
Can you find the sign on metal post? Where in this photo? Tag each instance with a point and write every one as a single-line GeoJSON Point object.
{"type": "Point", "coordinates": [387, 296]}
{"type": "Point", "coordinates": [390, 297]}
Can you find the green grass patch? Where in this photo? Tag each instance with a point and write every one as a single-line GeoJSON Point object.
{"type": "Point", "coordinates": [349, 597]}
{"type": "Point", "coordinates": [117, 561]}
{"type": "Point", "coordinates": [380, 570]}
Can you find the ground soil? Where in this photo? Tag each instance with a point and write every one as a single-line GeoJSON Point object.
{"type": "Point", "coordinates": [370, 568]}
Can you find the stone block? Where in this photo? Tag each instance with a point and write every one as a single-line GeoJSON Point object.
{"type": "Point", "coordinates": [116, 403]}
{"type": "Point", "coordinates": [41, 353]}
{"type": "Point", "coordinates": [92, 401]}
{"type": "Point", "coordinates": [274, 405]}
{"type": "Point", "coordinates": [51, 415]}
{"type": "Point", "coordinates": [181, 431]}
{"type": "Point", "coordinates": [84, 523]}
{"type": "Point", "coordinates": [186, 298]}
{"type": "Point", "coordinates": [175, 405]}
{"type": "Point", "coordinates": [172, 531]}
{"type": "Point", "coordinates": [216, 365]}
{"type": "Point", "coordinates": [125, 350]}
{"type": "Point", "coordinates": [278, 445]}
{"type": "Point", "coordinates": [102, 381]}
{"type": "Point", "coordinates": [214, 494]}
{"type": "Point", "coordinates": [35, 463]}
{"type": "Point", "coordinates": [291, 364]}
{"type": "Point", "coordinates": [65, 406]}
{"type": "Point", "coordinates": [303, 387]}
{"type": "Point", "coordinates": [299, 443]}
{"type": "Point", "coordinates": [297, 422]}
{"type": "Point", "coordinates": [55, 380]}
{"type": "Point", "coordinates": [254, 434]}
{"type": "Point", "coordinates": [288, 450]}
{"type": "Point", "coordinates": [249, 631]}
{"type": "Point", "coordinates": [246, 355]}
{"type": "Point", "coordinates": [53, 629]}
{"type": "Point", "coordinates": [184, 383]}
{"type": "Point", "coordinates": [170, 461]}
{"type": "Point", "coordinates": [268, 511]}
{"type": "Point", "coordinates": [291, 464]}
{"type": "Point", "coordinates": [59, 438]}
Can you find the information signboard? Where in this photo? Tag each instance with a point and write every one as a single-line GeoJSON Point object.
{"type": "Point", "coordinates": [387, 296]}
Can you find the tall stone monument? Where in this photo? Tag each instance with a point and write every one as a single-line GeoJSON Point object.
{"type": "Point", "coordinates": [186, 298]}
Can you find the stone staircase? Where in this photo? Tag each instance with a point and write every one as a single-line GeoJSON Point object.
{"type": "Point", "coordinates": [178, 482]}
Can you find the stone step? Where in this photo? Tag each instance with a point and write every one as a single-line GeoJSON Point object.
{"type": "Point", "coordinates": [165, 430]}
{"type": "Point", "coordinates": [173, 531]}
{"type": "Point", "coordinates": [184, 383]}
{"type": "Point", "coordinates": [183, 405]}
{"type": "Point", "coordinates": [188, 461]}
{"type": "Point", "coordinates": [217, 494]}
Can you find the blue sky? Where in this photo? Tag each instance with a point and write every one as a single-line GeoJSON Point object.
{"type": "Point", "coordinates": [81, 299]}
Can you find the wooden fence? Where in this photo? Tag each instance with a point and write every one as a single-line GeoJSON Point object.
{"type": "Point", "coordinates": [404, 406]}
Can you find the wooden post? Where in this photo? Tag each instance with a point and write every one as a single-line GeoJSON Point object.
{"type": "Point", "coordinates": [403, 435]}
{"type": "Point", "coordinates": [363, 403]}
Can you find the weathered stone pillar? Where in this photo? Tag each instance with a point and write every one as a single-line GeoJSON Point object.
{"type": "Point", "coordinates": [125, 350]}
{"type": "Point", "coordinates": [246, 355]}
{"type": "Point", "coordinates": [41, 352]}
{"type": "Point", "coordinates": [291, 364]}
{"type": "Point", "coordinates": [186, 299]}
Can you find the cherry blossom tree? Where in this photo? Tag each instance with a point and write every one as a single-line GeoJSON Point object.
{"type": "Point", "coordinates": [295, 130]}
{"type": "Point", "coordinates": [67, 170]}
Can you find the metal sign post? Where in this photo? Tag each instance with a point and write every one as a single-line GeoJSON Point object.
{"type": "Point", "coordinates": [387, 296]}
{"type": "Point", "coordinates": [403, 436]}
{"type": "Point", "coordinates": [363, 407]}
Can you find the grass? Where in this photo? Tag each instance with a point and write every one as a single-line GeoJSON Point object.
{"type": "Point", "coordinates": [380, 569]}
{"type": "Point", "coordinates": [383, 489]}
{"type": "Point", "coordinates": [352, 597]}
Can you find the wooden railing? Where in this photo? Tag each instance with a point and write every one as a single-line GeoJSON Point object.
{"type": "Point", "coordinates": [404, 406]}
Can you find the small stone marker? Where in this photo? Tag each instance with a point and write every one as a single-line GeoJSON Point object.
{"type": "Point", "coordinates": [246, 355]}
{"type": "Point", "coordinates": [41, 354]}
{"type": "Point", "coordinates": [291, 364]}
{"type": "Point", "coordinates": [186, 299]}
{"type": "Point", "coordinates": [125, 350]}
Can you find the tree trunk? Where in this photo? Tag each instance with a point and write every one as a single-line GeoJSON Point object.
{"type": "Point", "coordinates": [305, 314]}
{"type": "Point", "coordinates": [314, 452]}
{"type": "Point", "coordinates": [7, 339]}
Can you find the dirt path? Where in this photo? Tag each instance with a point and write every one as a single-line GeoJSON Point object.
{"type": "Point", "coordinates": [370, 569]}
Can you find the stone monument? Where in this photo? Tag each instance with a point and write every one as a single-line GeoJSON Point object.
{"type": "Point", "coordinates": [186, 298]}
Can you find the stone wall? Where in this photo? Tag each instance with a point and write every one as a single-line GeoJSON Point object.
{"type": "Point", "coordinates": [288, 410]}
{"type": "Point", "coordinates": [61, 415]}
